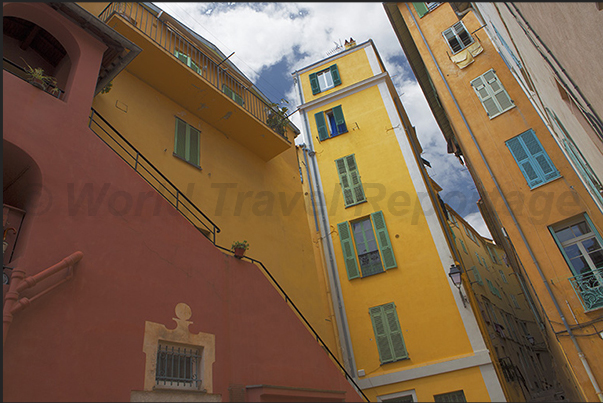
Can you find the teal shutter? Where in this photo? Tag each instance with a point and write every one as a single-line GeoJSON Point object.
{"type": "Point", "coordinates": [180, 139]}
{"type": "Point", "coordinates": [379, 327]}
{"type": "Point", "coordinates": [335, 75]}
{"type": "Point", "coordinates": [226, 90]}
{"type": "Point", "coordinates": [522, 158]}
{"type": "Point", "coordinates": [395, 333]}
{"type": "Point", "coordinates": [533, 161]}
{"type": "Point", "coordinates": [181, 56]}
{"type": "Point", "coordinates": [463, 245]}
{"type": "Point", "coordinates": [347, 246]}
{"type": "Point", "coordinates": [543, 162]}
{"type": "Point", "coordinates": [354, 175]}
{"type": "Point", "coordinates": [314, 84]}
{"type": "Point", "coordinates": [478, 276]}
{"type": "Point", "coordinates": [193, 148]}
{"type": "Point", "coordinates": [339, 120]}
{"type": "Point", "coordinates": [421, 9]}
{"type": "Point", "coordinates": [385, 245]}
{"type": "Point", "coordinates": [321, 125]}
{"type": "Point", "coordinates": [344, 181]}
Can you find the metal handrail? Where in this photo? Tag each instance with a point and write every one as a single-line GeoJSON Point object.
{"type": "Point", "coordinates": [180, 199]}
{"type": "Point", "coordinates": [289, 301]}
{"type": "Point", "coordinates": [589, 287]}
{"type": "Point", "coordinates": [167, 37]}
{"type": "Point", "coordinates": [21, 73]}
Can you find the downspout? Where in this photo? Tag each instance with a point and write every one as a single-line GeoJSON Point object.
{"type": "Point", "coordinates": [305, 150]}
{"type": "Point", "coordinates": [581, 354]}
{"type": "Point", "coordinates": [340, 316]}
{"type": "Point", "coordinates": [19, 283]}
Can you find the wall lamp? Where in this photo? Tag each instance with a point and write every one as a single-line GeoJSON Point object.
{"type": "Point", "coordinates": [455, 275]}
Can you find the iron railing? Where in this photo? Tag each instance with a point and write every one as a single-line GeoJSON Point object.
{"type": "Point", "coordinates": [167, 37]}
{"type": "Point", "coordinates": [152, 175]}
{"type": "Point", "coordinates": [589, 287]}
{"type": "Point", "coordinates": [20, 72]}
{"type": "Point", "coordinates": [303, 318]}
{"type": "Point", "coordinates": [178, 366]}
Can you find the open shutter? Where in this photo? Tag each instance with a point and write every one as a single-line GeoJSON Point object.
{"type": "Point", "coordinates": [379, 327]}
{"type": "Point", "coordinates": [491, 107]}
{"type": "Point", "coordinates": [539, 155]}
{"type": "Point", "coordinates": [345, 182]}
{"type": "Point", "coordinates": [385, 245]}
{"type": "Point", "coordinates": [339, 120]}
{"type": "Point", "coordinates": [354, 176]}
{"type": "Point", "coordinates": [335, 75]}
{"type": "Point", "coordinates": [524, 162]}
{"type": "Point", "coordinates": [395, 333]}
{"type": "Point", "coordinates": [347, 245]}
{"type": "Point", "coordinates": [498, 91]}
{"type": "Point", "coordinates": [463, 245]}
{"type": "Point", "coordinates": [194, 146]}
{"type": "Point", "coordinates": [314, 84]}
{"type": "Point", "coordinates": [321, 126]}
{"type": "Point", "coordinates": [180, 139]}
{"type": "Point", "coordinates": [421, 9]}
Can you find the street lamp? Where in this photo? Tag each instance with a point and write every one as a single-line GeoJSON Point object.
{"type": "Point", "coordinates": [455, 275]}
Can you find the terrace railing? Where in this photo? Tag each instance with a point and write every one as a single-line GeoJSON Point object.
{"type": "Point", "coordinates": [20, 72]}
{"type": "Point", "coordinates": [167, 37]}
{"type": "Point", "coordinates": [589, 287]}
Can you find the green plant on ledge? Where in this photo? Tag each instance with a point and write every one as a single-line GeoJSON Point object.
{"type": "Point", "coordinates": [277, 117]}
{"type": "Point", "coordinates": [37, 78]}
{"type": "Point", "coordinates": [239, 248]}
{"type": "Point", "coordinates": [107, 88]}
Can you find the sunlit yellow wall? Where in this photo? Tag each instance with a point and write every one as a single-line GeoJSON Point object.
{"type": "Point", "coordinates": [248, 198]}
{"type": "Point", "coordinates": [419, 287]}
{"type": "Point", "coordinates": [534, 209]}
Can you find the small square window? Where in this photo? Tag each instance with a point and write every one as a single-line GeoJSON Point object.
{"type": "Point", "coordinates": [178, 366]}
{"type": "Point", "coordinates": [458, 396]}
{"type": "Point", "coordinates": [457, 37]}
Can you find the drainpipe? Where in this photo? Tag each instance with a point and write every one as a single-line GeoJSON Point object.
{"type": "Point", "coordinates": [340, 316]}
{"type": "Point", "coordinates": [305, 150]}
{"type": "Point", "coordinates": [581, 354]}
{"type": "Point", "coordinates": [19, 283]}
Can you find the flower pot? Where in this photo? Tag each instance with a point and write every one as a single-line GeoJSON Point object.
{"type": "Point", "coordinates": [36, 82]}
{"type": "Point", "coordinates": [239, 252]}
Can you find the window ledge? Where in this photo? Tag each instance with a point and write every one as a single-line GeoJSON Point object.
{"type": "Point", "coordinates": [355, 204]}
{"type": "Point", "coordinates": [391, 362]}
{"type": "Point", "coordinates": [498, 114]}
{"type": "Point", "coordinates": [547, 182]}
{"type": "Point", "coordinates": [188, 162]}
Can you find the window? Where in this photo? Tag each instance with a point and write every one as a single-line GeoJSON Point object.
{"type": "Point", "coordinates": [502, 275]}
{"type": "Point", "coordinates": [349, 179]}
{"type": "Point", "coordinates": [233, 95]}
{"type": "Point", "coordinates": [186, 142]}
{"type": "Point", "coordinates": [533, 161]}
{"type": "Point", "coordinates": [478, 277]}
{"type": "Point", "coordinates": [424, 8]}
{"type": "Point", "coordinates": [401, 397]}
{"type": "Point", "coordinates": [388, 335]}
{"type": "Point", "coordinates": [515, 303]}
{"type": "Point", "coordinates": [186, 59]}
{"type": "Point", "coordinates": [492, 94]}
{"type": "Point", "coordinates": [479, 259]}
{"type": "Point", "coordinates": [325, 79]}
{"type": "Point", "coordinates": [457, 37]}
{"type": "Point", "coordinates": [362, 245]}
{"type": "Point", "coordinates": [463, 245]}
{"type": "Point", "coordinates": [458, 396]}
{"type": "Point", "coordinates": [493, 289]}
{"type": "Point", "coordinates": [493, 254]}
{"type": "Point", "coordinates": [330, 123]}
{"type": "Point", "coordinates": [580, 244]}
{"type": "Point", "coordinates": [453, 220]}
{"type": "Point", "coordinates": [177, 366]}
{"type": "Point", "coordinates": [471, 235]}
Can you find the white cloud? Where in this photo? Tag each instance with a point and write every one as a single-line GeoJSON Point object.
{"type": "Point", "coordinates": [477, 222]}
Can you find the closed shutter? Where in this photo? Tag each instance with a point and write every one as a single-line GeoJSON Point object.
{"type": "Point", "coordinates": [314, 84]}
{"type": "Point", "coordinates": [349, 178]}
{"type": "Point", "coordinates": [226, 90]}
{"type": "Point", "coordinates": [395, 333]}
{"type": "Point", "coordinates": [335, 75]}
{"type": "Point", "coordinates": [492, 94]}
{"type": "Point", "coordinates": [485, 97]}
{"type": "Point", "coordinates": [321, 126]}
{"type": "Point", "coordinates": [542, 159]}
{"type": "Point", "coordinates": [347, 246]}
{"type": "Point", "coordinates": [379, 327]}
{"type": "Point", "coordinates": [181, 56]}
{"type": "Point", "coordinates": [180, 139]}
{"type": "Point", "coordinates": [344, 181]}
{"type": "Point", "coordinates": [500, 94]}
{"type": "Point", "coordinates": [354, 176]}
{"type": "Point", "coordinates": [194, 145]}
{"type": "Point", "coordinates": [385, 245]}
{"type": "Point", "coordinates": [421, 9]}
{"type": "Point", "coordinates": [463, 245]}
{"type": "Point", "coordinates": [533, 161]}
{"type": "Point", "coordinates": [339, 120]}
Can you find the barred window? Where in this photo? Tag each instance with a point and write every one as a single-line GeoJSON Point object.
{"type": "Point", "coordinates": [178, 366]}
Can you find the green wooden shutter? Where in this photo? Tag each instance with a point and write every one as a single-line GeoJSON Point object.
{"type": "Point", "coordinates": [463, 245]}
{"type": "Point", "coordinates": [314, 84]}
{"type": "Point", "coordinates": [339, 120]}
{"type": "Point", "coordinates": [226, 90]}
{"type": "Point", "coordinates": [321, 125]}
{"type": "Point", "coordinates": [344, 181]}
{"type": "Point", "coordinates": [347, 246]}
{"type": "Point", "coordinates": [491, 107]}
{"type": "Point", "coordinates": [498, 91]}
{"type": "Point", "coordinates": [193, 148]}
{"type": "Point", "coordinates": [541, 158]}
{"type": "Point", "coordinates": [421, 9]}
{"type": "Point", "coordinates": [354, 176]}
{"type": "Point", "coordinates": [395, 333]}
{"type": "Point", "coordinates": [181, 56]}
{"type": "Point", "coordinates": [379, 327]}
{"type": "Point", "coordinates": [180, 139]}
{"type": "Point", "coordinates": [385, 245]}
{"type": "Point", "coordinates": [335, 75]}
{"type": "Point", "coordinates": [524, 162]}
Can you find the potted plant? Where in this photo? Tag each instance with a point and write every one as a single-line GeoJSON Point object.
{"type": "Point", "coordinates": [37, 78]}
{"type": "Point", "coordinates": [277, 117]}
{"type": "Point", "coordinates": [239, 248]}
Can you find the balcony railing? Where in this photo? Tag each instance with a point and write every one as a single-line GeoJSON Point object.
{"type": "Point", "coordinates": [188, 53]}
{"type": "Point", "coordinates": [152, 175]}
{"type": "Point", "coordinates": [589, 287]}
{"type": "Point", "coordinates": [20, 72]}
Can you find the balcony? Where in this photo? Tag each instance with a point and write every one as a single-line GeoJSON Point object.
{"type": "Point", "coordinates": [179, 69]}
{"type": "Point", "coordinates": [589, 287]}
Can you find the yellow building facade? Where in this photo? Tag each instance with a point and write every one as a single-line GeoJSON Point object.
{"type": "Point", "coordinates": [190, 113]}
{"type": "Point", "coordinates": [405, 332]}
{"type": "Point", "coordinates": [537, 207]}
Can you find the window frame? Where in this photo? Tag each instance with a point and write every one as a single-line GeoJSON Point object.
{"type": "Point", "coordinates": [189, 133]}
{"type": "Point", "coordinates": [334, 75]}
{"type": "Point", "coordinates": [325, 127]}
{"type": "Point", "coordinates": [491, 92]}
{"type": "Point", "coordinates": [454, 31]}
{"type": "Point", "coordinates": [195, 381]}
{"type": "Point", "coordinates": [518, 146]}
{"type": "Point", "coordinates": [456, 396]}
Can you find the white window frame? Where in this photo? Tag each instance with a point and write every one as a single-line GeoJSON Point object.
{"type": "Point", "coordinates": [385, 398]}
{"type": "Point", "coordinates": [325, 80]}
{"type": "Point", "coordinates": [454, 30]}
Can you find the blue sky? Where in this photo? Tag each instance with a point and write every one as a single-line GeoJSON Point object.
{"type": "Point", "coordinates": [272, 40]}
